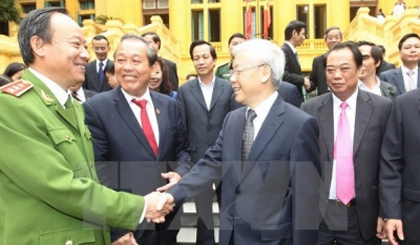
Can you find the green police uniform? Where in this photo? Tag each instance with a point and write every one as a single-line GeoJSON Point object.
{"type": "Point", "coordinates": [49, 190]}
{"type": "Point", "coordinates": [224, 72]}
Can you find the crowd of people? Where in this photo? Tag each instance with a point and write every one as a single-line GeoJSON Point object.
{"type": "Point", "coordinates": [107, 151]}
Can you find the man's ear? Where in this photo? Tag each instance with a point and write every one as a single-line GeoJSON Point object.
{"type": "Point", "coordinates": [265, 73]}
{"type": "Point", "coordinates": [38, 46]}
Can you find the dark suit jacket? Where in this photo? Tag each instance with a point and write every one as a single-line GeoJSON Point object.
{"type": "Point", "coordinates": [292, 69]}
{"type": "Point", "coordinates": [388, 90]}
{"type": "Point", "coordinates": [385, 66]}
{"type": "Point", "coordinates": [372, 113]}
{"type": "Point", "coordinates": [91, 77]}
{"type": "Point", "coordinates": [400, 169]}
{"type": "Point", "coordinates": [263, 203]}
{"type": "Point", "coordinates": [89, 93]}
{"type": "Point", "coordinates": [203, 125]}
{"type": "Point", "coordinates": [288, 92]}
{"type": "Point", "coordinates": [395, 77]}
{"type": "Point", "coordinates": [124, 159]}
{"type": "Point", "coordinates": [173, 74]}
{"type": "Point", "coordinates": [317, 77]}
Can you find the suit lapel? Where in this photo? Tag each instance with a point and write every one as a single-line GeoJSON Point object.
{"type": "Point", "coordinates": [129, 118]}
{"type": "Point", "coordinates": [326, 124]}
{"type": "Point", "coordinates": [238, 133]}
{"type": "Point", "coordinates": [364, 111]}
{"type": "Point", "coordinates": [161, 119]}
{"type": "Point", "coordinates": [399, 80]}
{"type": "Point", "coordinates": [293, 56]}
{"type": "Point", "coordinates": [217, 91]}
{"type": "Point", "coordinates": [271, 124]}
{"type": "Point", "coordinates": [198, 94]}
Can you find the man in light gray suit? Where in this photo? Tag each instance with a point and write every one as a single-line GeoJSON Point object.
{"type": "Point", "coordinates": [407, 77]}
{"type": "Point", "coordinates": [352, 124]}
{"type": "Point", "coordinates": [204, 103]}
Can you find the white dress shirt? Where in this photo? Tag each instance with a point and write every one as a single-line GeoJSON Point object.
{"type": "Point", "coordinates": [81, 95]}
{"type": "Point", "coordinates": [58, 91]}
{"type": "Point", "coordinates": [262, 111]}
{"type": "Point", "coordinates": [406, 78]}
{"type": "Point", "coordinates": [351, 116]}
{"type": "Point", "coordinates": [398, 9]}
{"type": "Point", "coordinates": [149, 108]}
{"type": "Point", "coordinates": [97, 64]}
{"type": "Point", "coordinates": [207, 90]}
{"type": "Point", "coordinates": [375, 90]}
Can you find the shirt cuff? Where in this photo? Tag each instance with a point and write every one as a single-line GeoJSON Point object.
{"type": "Point", "coordinates": [144, 211]}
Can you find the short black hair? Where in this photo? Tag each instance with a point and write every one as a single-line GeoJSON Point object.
{"type": "Point", "coordinates": [155, 37]}
{"type": "Point", "coordinates": [375, 52]}
{"type": "Point", "coordinates": [4, 80]}
{"type": "Point", "coordinates": [332, 28]}
{"type": "Point", "coordinates": [293, 25]}
{"type": "Point", "coordinates": [357, 56]}
{"type": "Point", "coordinates": [383, 50]}
{"type": "Point", "coordinates": [110, 68]}
{"type": "Point", "coordinates": [36, 23]}
{"type": "Point", "coordinates": [14, 68]}
{"type": "Point", "coordinates": [407, 36]}
{"type": "Point", "coordinates": [239, 35]}
{"type": "Point", "coordinates": [100, 37]}
{"type": "Point", "coordinates": [201, 42]}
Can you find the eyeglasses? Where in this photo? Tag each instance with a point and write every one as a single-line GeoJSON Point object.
{"type": "Point", "coordinates": [237, 72]}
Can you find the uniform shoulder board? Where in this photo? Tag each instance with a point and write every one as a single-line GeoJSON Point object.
{"type": "Point", "coordinates": [17, 88]}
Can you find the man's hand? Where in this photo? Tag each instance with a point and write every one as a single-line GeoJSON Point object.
{"type": "Point", "coordinates": [158, 206]}
{"type": "Point", "coordinates": [307, 83]}
{"type": "Point", "coordinates": [127, 239]}
{"type": "Point", "coordinates": [392, 225]}
{"type": "Point", "coordinates": [380, 229]}
{"type": "Point", "coordinates": [173, 179]}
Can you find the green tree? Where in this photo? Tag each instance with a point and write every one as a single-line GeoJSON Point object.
{"type": "Point", "coordinates": [9, 12]}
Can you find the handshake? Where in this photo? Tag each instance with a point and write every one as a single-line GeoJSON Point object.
{"type": "Point", "coordinates": [160, 203]}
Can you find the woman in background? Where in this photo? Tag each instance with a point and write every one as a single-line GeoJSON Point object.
{"type": "Point", "coordinates": [159, 81]}
{"type": "Point", "coordinates": [15, 70]}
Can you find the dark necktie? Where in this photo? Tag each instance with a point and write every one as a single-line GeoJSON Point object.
{"type": "Point", "coordinates": [248, 137]}
{"type": "Point", "coordinates": [101, 73]}
{"type": "Point", "coordinates": [76, 97]}
{"type": "Point", "coordinates": [145, 123]}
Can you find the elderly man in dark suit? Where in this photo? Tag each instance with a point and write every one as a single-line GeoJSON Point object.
{"type": "Point", "coordinates": [154, 40]}
{"type": "Point", "coordinates": [352, 123]}
{"type": "Point", "coordinates": [399, 186]}
{"type": "Point", "coordinates": [407, 77]}
{"type": "Point", "coordinates": [267, 157]}
{"type": "Point", "coordinates": [332, 37]}
{"type": "Point", "coordinates": [95, 78]}
{"type": "Point", "coordinates": [204, 103]}
{"type": "Point", "coordinates": [138, 136]}
{"type": "Point", "coordinates": [369, 81]}
{"type": "Point", "coordinates": [295, 34]}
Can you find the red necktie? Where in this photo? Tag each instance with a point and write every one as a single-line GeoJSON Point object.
{"type": "Point", "coordinates": [343, 155]}
{"type": "Point", "coordinates": [147, 128]}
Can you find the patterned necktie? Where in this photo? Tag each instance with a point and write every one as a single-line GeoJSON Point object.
{"type": "Point", "coordinates": [343, 155]}
{"type": "Point", "coordinates": [248, 137]}
{"type": "Point", "coordinates": [145, 123]}
{"type": "Point", "coordinates": [76, 96]}
{"type": "Point", "coordinates": [411, 84]}
{"type": "Point", "coordinates": [101, 73]}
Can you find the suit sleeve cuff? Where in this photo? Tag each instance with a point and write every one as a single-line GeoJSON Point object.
{"type": "Point", "coordinates": [144, 211]}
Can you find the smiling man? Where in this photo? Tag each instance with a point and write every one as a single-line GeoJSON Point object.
{"type": "Point", "coordinates": [47, 175]}
{"type": "Point", "coordinates": [204, 103]}
{"type": "Point", "coordinates": [266, 156]}
{"type": "Point", "coordinates": [352, 124]}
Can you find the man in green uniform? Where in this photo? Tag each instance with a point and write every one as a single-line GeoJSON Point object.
{"type": "Point", "coordinates": [50, 192]}
{"type": "Point", "coordinates": [225, 71]}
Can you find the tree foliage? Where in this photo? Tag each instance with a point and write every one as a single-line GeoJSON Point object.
{"type": "Point", "coordinates": [9, 12]}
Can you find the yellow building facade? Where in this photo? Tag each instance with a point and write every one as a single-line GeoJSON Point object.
{"type": "Point", "coordinates": [214, 21]}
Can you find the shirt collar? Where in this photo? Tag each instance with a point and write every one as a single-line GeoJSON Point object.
{"type": "Point", "coordinates": [210, 84]}
{"type": "Point", "coordinates": [61, 94]}
{"type": "Point", "coordinates": [145, 96]}
{"type": "Point", "coordinates": [264, 107]}
{"type": "Point", "coordinates": [291, 46]}
{"type": "Point", "coordinates": [405, 70]}
{"type": "Point", "coordinates": [103, 61]}
{"type": "Point", "coordinates": [351, 101]}
{"type": "Point", "coordinates": [363, 86]}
